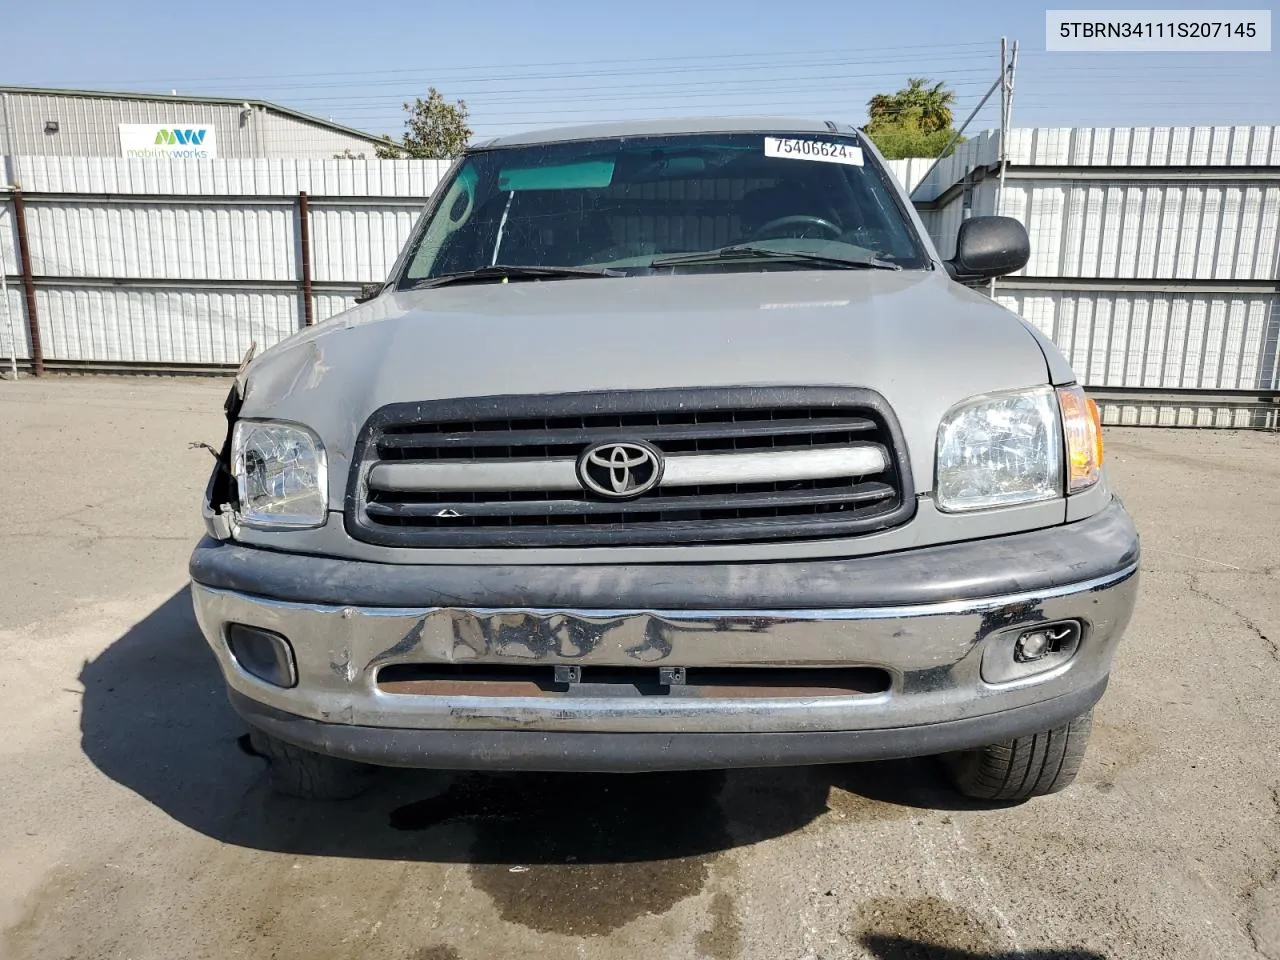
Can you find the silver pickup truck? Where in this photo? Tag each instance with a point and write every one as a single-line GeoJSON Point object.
{"type": "Point", "coordinates": [668, 445]}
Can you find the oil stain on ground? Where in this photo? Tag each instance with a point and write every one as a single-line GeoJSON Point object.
{"type": "Point", "coordinates": [723, 938]}
{"type": "Point", "coordinates": [584, 854]}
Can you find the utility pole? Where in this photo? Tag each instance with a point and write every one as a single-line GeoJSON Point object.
{"type": "Point", "coordinates": [1003, 83]}
{"type": "Point", "coordinates": [1008, 65]}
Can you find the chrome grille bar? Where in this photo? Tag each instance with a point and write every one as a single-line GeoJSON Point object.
{"type": "Point", "coordinates": [681, 470]}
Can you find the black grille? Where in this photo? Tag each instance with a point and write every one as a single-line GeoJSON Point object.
{"type": "Point", "coordinates": [677, 422]}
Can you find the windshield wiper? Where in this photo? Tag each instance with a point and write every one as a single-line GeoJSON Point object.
{"type": "Point", "coordinates": [500, 271]}
{"type": "Point", "coordinates": [746, 251]}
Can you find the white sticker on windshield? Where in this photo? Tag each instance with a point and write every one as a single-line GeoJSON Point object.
{"type": "Point", "coordinates": [822, 150]}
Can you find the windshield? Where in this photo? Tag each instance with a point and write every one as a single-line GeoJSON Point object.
{"type": "Point", "coordinates": [626, 203]}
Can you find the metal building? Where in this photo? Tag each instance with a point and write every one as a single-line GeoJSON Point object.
{"type": "Point", "coordinates": [89, 123]}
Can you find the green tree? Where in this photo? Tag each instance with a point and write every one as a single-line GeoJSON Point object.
{"type": "Point", "coordinates": [434, 130]}
{"type": "Point", "coordinates": [914, 122]}
{"type": "Point", "coordinates": [930, 103]}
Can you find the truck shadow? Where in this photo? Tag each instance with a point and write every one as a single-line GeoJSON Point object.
{"type": "Point", "coordinates": [156, 720]}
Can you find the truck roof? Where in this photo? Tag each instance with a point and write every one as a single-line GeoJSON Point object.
{"type": "Point", "coordinates": [669, 126]}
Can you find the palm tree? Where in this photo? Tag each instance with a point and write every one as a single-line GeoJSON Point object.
{"type": "Point", "coordinates": [930, 102]}
{"type": "Point", "coordinates": [935, 103]}
{"type": "Point", "coordinates": [882, 108]}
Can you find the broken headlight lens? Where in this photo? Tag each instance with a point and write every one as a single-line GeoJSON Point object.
{"type": "Point", "coordinates": [1001, 449]}
{"type": "Point", "coordinates": [280, 474]}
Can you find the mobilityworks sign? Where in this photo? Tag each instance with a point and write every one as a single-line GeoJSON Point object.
{"type": "Point", "coordinates": [194, 137]}
{"type": "Point", "coordinates": [161, 140]}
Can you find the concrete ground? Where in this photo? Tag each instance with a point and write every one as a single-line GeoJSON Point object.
{"type": "Point", "coordinates": [135, 826]}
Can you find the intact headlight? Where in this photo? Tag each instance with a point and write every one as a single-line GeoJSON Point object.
{"type": "Point", "coordinates": [280, 474]}
{"type": "Point", "coordinates": [999, 449]}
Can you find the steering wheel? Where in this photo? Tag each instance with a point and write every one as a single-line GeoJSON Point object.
{"type": "Point", "coordinates": [794, 219]}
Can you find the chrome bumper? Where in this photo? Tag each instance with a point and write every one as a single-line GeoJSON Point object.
{"type": "Point", "coordinates": [932, 653]}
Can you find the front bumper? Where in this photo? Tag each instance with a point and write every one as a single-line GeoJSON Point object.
{"type": "Point", "coordinates": [923, 617]}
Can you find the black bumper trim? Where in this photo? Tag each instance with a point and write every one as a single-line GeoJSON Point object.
{"type": "Point", "coordinates": [1014, 564]}
{"type": "Point", "coordinates": [537, 750]}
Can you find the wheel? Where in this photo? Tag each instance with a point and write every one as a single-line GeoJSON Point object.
{"type": "Point", "coordinates": [1024, 767]}
{"type": "Point", "coordinates": [295, 772]}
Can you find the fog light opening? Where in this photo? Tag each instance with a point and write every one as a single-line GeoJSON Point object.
{"type": "Point", "coordinates": [262, 654]}
{"type": "Point", "coordinates": [1038, 644]}
{"type": "Point", "coordinates": [1022, 653]}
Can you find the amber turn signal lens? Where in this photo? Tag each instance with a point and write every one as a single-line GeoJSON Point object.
{"type": "Point", "coordinates": [1082, 425]}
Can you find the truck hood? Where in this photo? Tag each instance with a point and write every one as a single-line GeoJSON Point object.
{"type": "Point", "coordinates": [923, 342]}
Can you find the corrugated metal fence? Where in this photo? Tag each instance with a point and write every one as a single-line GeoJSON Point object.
{"type": "Point", "coordinates": [1155, 254]}
{"type": "Point", "coordinates": [1155, 260]}
{"type": "Point", "coordinates": [188, 262]}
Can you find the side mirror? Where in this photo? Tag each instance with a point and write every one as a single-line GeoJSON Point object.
{"type": "Point", "coordinates": [368, 291]}
{"type": "Point", "coordinates": [989, 247]}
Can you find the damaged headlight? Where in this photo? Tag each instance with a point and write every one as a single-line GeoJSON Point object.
{"type": "Point", "coordinates": [280, 474]}
{"type": "Point", "coordinates": [1000, 449]}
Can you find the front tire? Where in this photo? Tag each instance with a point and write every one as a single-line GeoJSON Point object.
{"type": "Point", "coordinates": [1023, 767]}
{"type": "Point", "coordinates": [295, 772]}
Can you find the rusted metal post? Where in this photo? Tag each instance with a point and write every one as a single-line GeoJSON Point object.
{"type": "Point", "coordinates": [304, 231]}
{"type": "Point", "coordinates": [28, 282]}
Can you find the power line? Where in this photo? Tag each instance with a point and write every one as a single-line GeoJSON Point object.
{"type": "Point", "coordinates": [766, 84]}
{"type": "Point", "coordinates": [536, 114]}
{"type": "Point", "coordinates": [844, 111]}
{"type": "Point", "coordinates": [446, 71]}
{"type": "Point", "coordinates": [818, 85]}
{"type": "Point", "coordinates": [809, 95]}
{"type": "Point", "coordinates": [1140, 80]}
{"type": "Point", "coordinates": [723, 90]}
{"type": "Point", "coordinates": [636, 88]}
{"type": "Point", "coordinates": [1067, 97]}
{"type": "Point", "coordinates": [585, 75]}
{"type": "Point", "coordinates": [802, 93]}
{"type": "Point", "coordinates": [843, 106]}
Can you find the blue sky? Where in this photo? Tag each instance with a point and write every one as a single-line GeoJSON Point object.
{"type": "Point", "coordinates": [522, 64]}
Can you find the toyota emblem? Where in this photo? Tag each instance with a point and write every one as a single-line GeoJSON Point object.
{"type": "Point", "coordinates": [619, 469]}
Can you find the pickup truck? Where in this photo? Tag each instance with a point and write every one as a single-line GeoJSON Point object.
{"type": "Point", "coordinates": [668, 445]}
